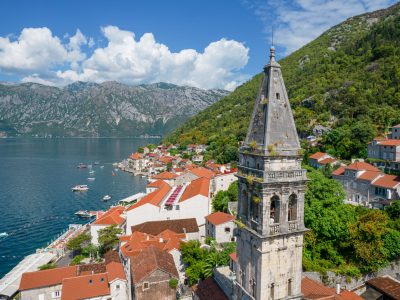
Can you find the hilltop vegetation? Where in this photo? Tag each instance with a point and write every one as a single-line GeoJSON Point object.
{"type": "Point", "coordinates": [347, 79]}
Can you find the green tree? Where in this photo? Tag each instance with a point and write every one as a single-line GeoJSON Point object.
{"type": "Point", "coordinates": [77, 242]}
{"type": "Point", "coordinates": [393, 210]}
{"type": "Point", "coordinates": [47, 266]}
{"type": "Point", "coordinates": [367, 235]}
{"type": "Point", "coordinates": [108, 238]}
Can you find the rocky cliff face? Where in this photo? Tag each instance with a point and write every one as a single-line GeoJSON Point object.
{"type": "Point", "coordinates": [107, 109]}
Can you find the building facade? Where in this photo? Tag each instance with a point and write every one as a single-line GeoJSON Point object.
{"type": "Point", "coordinates": [271, 197]}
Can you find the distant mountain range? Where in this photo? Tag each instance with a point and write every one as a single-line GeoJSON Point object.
{"type": "Point", "coordinates": [86, 109]}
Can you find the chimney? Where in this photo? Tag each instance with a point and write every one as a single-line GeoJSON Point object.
{"type": "Point", "coordinates": [147, 237]}
{"type": "Point", "coordinates": [161, 240]}
{"type": "Point", "coordinates": [184, 230]}
{"type": "Point", "coordinates": [338, 288]}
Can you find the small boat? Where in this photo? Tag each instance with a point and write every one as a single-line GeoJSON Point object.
{"type": "Point", "coordinates": [81, 166]}
{"type": "Point", "coordinates": [85, 214]}
{"type": "Point", "coordinates": [96, 163]}
{"type": "Point", "coordinates": [116, 170]}
{"type": "Point", "coordinates": [80, 188]}
{"type": "Point", "coordinates": [3, 235]}
{"type": "Point", "coordinates": [89, 166]}
{"type": "Point", "coordinates": [91, 179]}
{"type": "Point", "coordinates": [101, 167]}
{"type": "Point", "coordinates": [106, 197]}
{"type": "Point", "coordinates": [91, 172]}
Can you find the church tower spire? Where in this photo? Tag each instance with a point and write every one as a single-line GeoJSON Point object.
{"type": "Point", "coordinates": [271, 197]}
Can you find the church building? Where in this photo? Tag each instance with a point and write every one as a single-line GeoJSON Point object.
{"type": "Point", "coordinates": [271, 197]}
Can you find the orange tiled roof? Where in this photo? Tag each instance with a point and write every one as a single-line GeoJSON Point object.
{"type": "Point", "coordinates": [317, 155]}
{"type": "Point", "coordinates": [115, 270]}
{"type": "Point", "coordinates": [111, 217]}
{"type": "Point", "coordinates": [369, 175]}
{"type": "Point", "coordinates": [165, 175]}
{"type": "Point", "coordinates": [389, 142]}
{"type": "Point", "coordinates": [153, 198]}
{"type": "Point", "coordinates": [326, 161]}
{"type": "Point", "coordinates": [339, 171]}
{"type": "Point", "coordinates": [218, 218]}
{"type": "Point", "coordinates": [313, 290]}
{"type": "Point", "coordinates": [150, 259]}
{"type": "Point", "coordinates": [202, 172]}
{"type": "Point", "coordinates": [37, 279]}
{"type": "Point", "coordinates": [386, 285]}
{"type": "Point", "coordinates": [199, 186]}
{"type": "Point", "coordinates": [396, 126]}
{"type": "Point", "coordinates": [135, 156]}
{"type": "Point", "coordinates": [387, 181]}
{"type": "Point", "coordinates": [158, 183]}
{"type": "Point", "coordinates": [166, 241]}
{"type": "Point", "coordinates": [360, 165]}
{"type": "Point", "coordinates": [83, 287]}
{"type": "Point", "coordinates": [233, 256]}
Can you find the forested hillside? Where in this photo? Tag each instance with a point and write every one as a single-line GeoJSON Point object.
{"type": "Point", "coordinates": [347, 79]}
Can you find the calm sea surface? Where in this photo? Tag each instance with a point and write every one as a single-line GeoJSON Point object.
{"type": "Point", "coordinates": [36, 176]}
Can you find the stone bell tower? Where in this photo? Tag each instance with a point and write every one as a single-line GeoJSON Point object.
{"type": "Point", "coordinates": [271, 197]}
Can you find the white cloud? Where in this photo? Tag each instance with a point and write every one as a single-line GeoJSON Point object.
{"type": "Point", "coordinates": [41, 57]}
{"type": "Point", "coordinates": [298, 22]}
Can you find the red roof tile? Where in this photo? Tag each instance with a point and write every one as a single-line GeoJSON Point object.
{"type": "Point", "coordinates": [387, 181]}
{"type": "Point", "coordinates": [233, 256]}
{"type": "Point", "coordinates": [327, 161]}
{"type": "Point", "coordinates": [360, 165]}
{"type": "Point", "coordinates": [83, 287]}
{"type": "Point", "coordinates": [153, 198]}
{"type": "Point", "coordinates": [386, 285]}
{"type": "Point", "coordinates": [317, 155]}
{"type": "Point", "coordinates": [115, 270]}
{"type": "Point", "coordinates": [135, 156]}
{"type": "Point", "coordinates": [369, 175]}
{"type": "Point", "coordinates": [33, 280]}
{"type": "Point", "coordinates": [111, 217]}
{"type": "Point", "coordinates": [339, 171]}
{"type": "Point", "coordinates": [198, 186]}
{"type": "Point", "coordinates": [165, 175]}
{"type": "Point", "coordinates": [158, 183]}
{"type": "Point", "coordinates": [389, 142]}
{"type": "Point", "coordinates": [202, 172]}
{"type": "Point", "coordinates": [150, 259]}
{"type": "Point", "coordinates": [208, 289]}
{"type": "Point", "coordinates": [219, 218]}
{"type": "Point", "coordinates": [314, 290]}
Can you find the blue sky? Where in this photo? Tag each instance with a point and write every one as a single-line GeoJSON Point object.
{"type": "Point", "coordinates": [208, 44]}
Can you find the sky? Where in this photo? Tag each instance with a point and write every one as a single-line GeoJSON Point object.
{"type": "Point", "coordinates": [206, 44]}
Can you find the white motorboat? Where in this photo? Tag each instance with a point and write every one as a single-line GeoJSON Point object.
{"type": "Point", "coordinates": [85, 214]}
{"type": "Point", "coordinates": [101, 167]}
{"type": "Point", "coordinates": [3, 235]}
{"type": "Point", "coordinates": [91, 172]}
{"type": "Point", "coordinates": [81, 166]}
{"type": "Point", "coordinates": [106, 197]}
{"type": "Point", "coordinates": [91, 179]}
{"type": "Point", "coordinates": [80, 188]}
{"type": "Point", "coordinates": [96, 163]}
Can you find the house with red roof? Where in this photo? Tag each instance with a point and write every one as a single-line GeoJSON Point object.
{"type": "Point", "coordinates": [314, 290]}
{"type": "Point", "coordinates": [114, 216]}
{"type": "Point", "coordinates": [386, 149]}
{"type": "Point", "coordinates": [188, 200]}
{"type": "Point", "coordinates": [366, 185]}
{"type": "Point", "coordinates": [93, 281]}
{"type": "Point", "coordinates": [320, 159]}
{"type": "Point", "coordinates": [220, 226]}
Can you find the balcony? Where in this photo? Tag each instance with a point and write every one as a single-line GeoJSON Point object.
{"type": "Point", "coordinates": [274, 229]}
{"type": "Point", "coordinates": [292, 226]}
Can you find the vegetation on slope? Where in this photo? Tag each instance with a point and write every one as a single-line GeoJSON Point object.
{"type": "Point", "coordinates": [348, 79]}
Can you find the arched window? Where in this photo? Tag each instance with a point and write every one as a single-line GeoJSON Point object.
{"type": "Point", "coordinates": [289, 287]}
{"type": "Point", "coordinates": [254, 207]}
{"type": "Point", "coordinates": [292, 208]}
{"type": "Point", "coordinates": [274, 210]}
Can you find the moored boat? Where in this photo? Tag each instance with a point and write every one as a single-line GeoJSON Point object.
{"type": "Point", "coordinates": [85, 214]}
{"type": "Point", "coordinates": [80, 188]}
{"type": "Point", "coordinates": [106, 197]}
{"type": "Point", "coordinates": [3, 235]}
{"type": "Point", "coordinates": [91, 179]}
{"type": "Point", "coordinates": [81, 166]}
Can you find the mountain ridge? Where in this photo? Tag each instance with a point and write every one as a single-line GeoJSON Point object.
{"type": "Point", "coordinates": [347, 79]}
{"type": "Point", "coordinates": [94, 110]}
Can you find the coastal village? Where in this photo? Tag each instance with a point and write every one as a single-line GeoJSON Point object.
{"type": "Point", "coordinates": [146, 240]}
